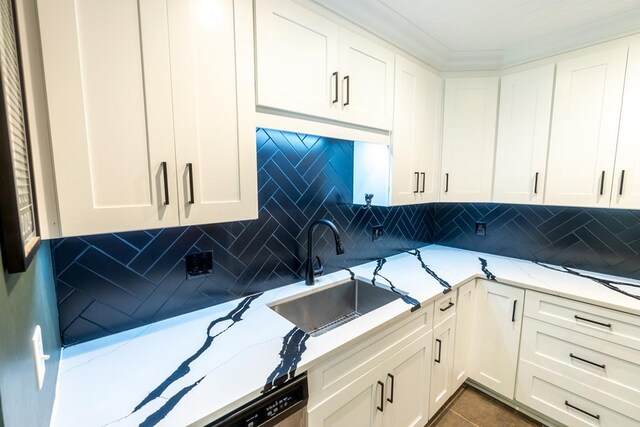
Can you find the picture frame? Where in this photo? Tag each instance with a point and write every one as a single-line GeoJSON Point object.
{"type": "Point", "coordinates": [18, 210]}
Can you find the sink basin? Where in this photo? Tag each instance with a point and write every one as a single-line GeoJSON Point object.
{"type": "Point", "coordinates": [334, 305]}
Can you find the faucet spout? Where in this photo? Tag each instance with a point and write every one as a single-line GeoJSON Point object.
{"type": "Point", "coordinates": [310, 271]}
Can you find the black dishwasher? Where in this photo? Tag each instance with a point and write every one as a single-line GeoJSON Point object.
{"type": "Point", "coordinates": [284, 406]}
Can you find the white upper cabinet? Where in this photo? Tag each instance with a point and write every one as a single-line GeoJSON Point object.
{"type": "Point", "coordinates": [211, 63]}
{"type": "Point", "coordinates": [584, 129]}
{"type": "Point", "coordinates": [132, 83]}
{"type": "Point", "coordinates": [470, 109]}
{"type": "Point", "coordinates": [626, 180]}
{"type": "Point", "coordinates": [416, 139]}
{"type": "Point", "coordinates": [297, 54]}
{"type": "Point", "coordinates": [523, 136]}
{"type": "Point", "coordinates": [367, 71]}
{"type": "Point", "coordinates": [110, 117]}
{"type": "Point", "coordinates": [307, 64]}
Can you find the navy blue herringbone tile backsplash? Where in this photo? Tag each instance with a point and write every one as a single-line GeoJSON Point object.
{"type": "Point", "coordinates": [112, 282]}
{"type": "Point", "coordinates": [603, 240]}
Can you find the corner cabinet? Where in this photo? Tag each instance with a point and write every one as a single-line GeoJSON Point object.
{"type": "Point", "coordinates": [417, 136]}
{"type": "Point", "coordinates": [584, 131]}
{"type": "Point", "coordinates": [151, 112]}
{"type": "Point", "coordinates": [468, 142]}
{"type": "Point", "coordinates": [523, 136]}
{"type": "Point", "coordinates": [626, 178]}
{"type": "Point", "coordinates": [496, 338]}
{"type": "Point", "coordinates": [310, 65]}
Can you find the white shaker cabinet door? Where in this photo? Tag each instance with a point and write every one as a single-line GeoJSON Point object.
{"type": "Point", "coordinates": [442, 364]}
{"type": "Point", "coordinates": [626, 180]}
{"type": "Point", "coordinates": [297, 53]}
{"type": "Point", "coordinates": [213, 92]}
{"type": "Point", "coordinates": [584, 128]}
{"type": "Point", "coordinates": [523, 136]}
{"type": "Point", "coordinates": [407, 385]}
{"type": "Point", "coordinates": [496, 338]}
{"type": "Point", "coordinates": [366, 81]}
{"type": "Point", "coordinates": [468, 142]}
{"type": "Point", "coordinates": [108, 79]}
{"type": "Point", "coordinates": [417, 138]}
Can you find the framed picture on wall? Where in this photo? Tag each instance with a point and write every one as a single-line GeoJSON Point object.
{"type": "Point", "coordinates": [18, 213]}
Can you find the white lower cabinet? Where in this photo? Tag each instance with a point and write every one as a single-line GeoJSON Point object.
{"type": "Point", "coordinates": [464, 332]}
{"type": "Point", "coordinates": [394, 393]}
{"type": "Point", "coordinates": [579, 363]}
{"type": "Point", "coordinates": [442, 364]}
{"type": "Point", "coordinates": [496, 339]}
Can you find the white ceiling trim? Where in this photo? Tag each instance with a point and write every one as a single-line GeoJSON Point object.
{"type": "Point", "coordinates": [385, 22]}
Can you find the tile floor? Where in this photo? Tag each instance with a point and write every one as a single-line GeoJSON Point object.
{"type": "Point", "coordinates": [471, 408]}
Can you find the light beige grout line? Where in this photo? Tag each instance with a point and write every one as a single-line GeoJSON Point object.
{"type": "Point", "coordinates": [473, 424]}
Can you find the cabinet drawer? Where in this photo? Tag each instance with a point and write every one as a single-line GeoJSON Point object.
{"type": "Point", "coordinates": [599, 322]}
{"type": "Point", "coordinates": [611, 368]}
{"type": "Point", "coordinates": [445, 307]}
{"type": "Point", "coordinates": [569, 402]}
{"type": "Point", "coordinates": [346, 365]}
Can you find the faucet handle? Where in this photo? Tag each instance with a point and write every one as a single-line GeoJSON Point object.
{"type": "Point", "coordinates": [320, 270]}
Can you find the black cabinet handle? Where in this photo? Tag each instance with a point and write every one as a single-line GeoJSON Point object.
{"type": "Point", "coordinates": [451, 304]}
{"type": "Point", "coordinates": [417, 174]}
{"type": "Point", "coordinates": [381, 407]}
{"type": "Point", "coordinates": [513, 313]}
{"type": "Point", "coordinates": [621, 182]}
{"type": "Point", "coordinates": [535, 185]}
{"type": "Point", "coordinates": [335, 80]}
{"type": "Point", "coordinates": [393, 380]}
{"type": "Point", "coordinates": [424, 176]}
{"type": "Point", "coordinates": [347, 79]}
{"type": "Point", "coordinates": [439, 351]}
{"type": "Point", "coordinates": [602, 184]}
{"type": "Point", "coordinates": [446, 183]}
{"type": "Point", "coordinates": [606, 325]}
{"type": "Point", "coordinates": [573, 356]}
{"type": "Point", "coordinates": [190, 172]}
{"type": "Point", "coordinates": [597, 417]}
{"type": "Point", "coordinates": [166, 182]}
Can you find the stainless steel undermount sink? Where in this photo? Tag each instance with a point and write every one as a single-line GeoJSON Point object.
{"type": "Point", "coordinates": [331, 306]}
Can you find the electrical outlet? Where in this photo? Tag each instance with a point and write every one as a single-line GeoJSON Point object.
{"type": "Point", "coordinates": [199, 264]}
{"type": "Point", "coordinates": [481, 228]}
{"type": "Point", "coordinates": [39, 358]}
{"type": "Point", "coordinates": [377, 232]}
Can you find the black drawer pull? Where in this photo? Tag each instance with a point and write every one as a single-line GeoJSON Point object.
{"type": "Point", "coordinates": [513, 314]}
{"type": "Point", "coordinates": [381, 407]}
{"type": "Point", "coordinates": [393, 380]}
{"type": "Point", "coordinates": [451, 304]}
{"type": "Point", "coordinates": [573, 356]}
{"type": "Point", "coordinates": [535, 186]}
{"type": "Point", "coordinates": [439, 351]}
{"type": "Point", "coordinates": [190, 171]}
{"type": "Point", "coordinates": [597, 417]}
{"type": "Point", "coordinates": [347, 79]}
{"type": "Point", "coordinates": [335, 76]}
{"type": "Point", "coordinates": [165, 178]}
{"type": "Point", "coordinates": [606, 325]}
{"type": "Point", "coordinates": [621, 182]}
{"type": "Point", "coordinates": [417, 174]}
{"type": "Point", "coordinates": [424, 175]}
{"type": "Point", "coordinates": [446, 182]}
{"type": "Point", "coordinates": [602, 184]}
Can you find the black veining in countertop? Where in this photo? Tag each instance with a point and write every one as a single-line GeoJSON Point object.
{"type": "Point", "coordinates": [293, 346]}
{"type": "Point", "coordinates": [610, 284]}
{"type": "Point", "coordinates": [184, 368]}
{"type": "Point", "coordinates": [403, 295]}
{"type": "Point", "coordinates": [485, 270]}
{"type": "Point", "coordinates": [443, 283]}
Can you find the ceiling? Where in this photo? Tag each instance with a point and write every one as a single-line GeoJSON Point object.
{"type": "Point", "coordinates": [490, 34]}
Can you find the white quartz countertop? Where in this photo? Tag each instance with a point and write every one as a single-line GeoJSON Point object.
{"type": "Point", "coordinates": [191, 369]}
